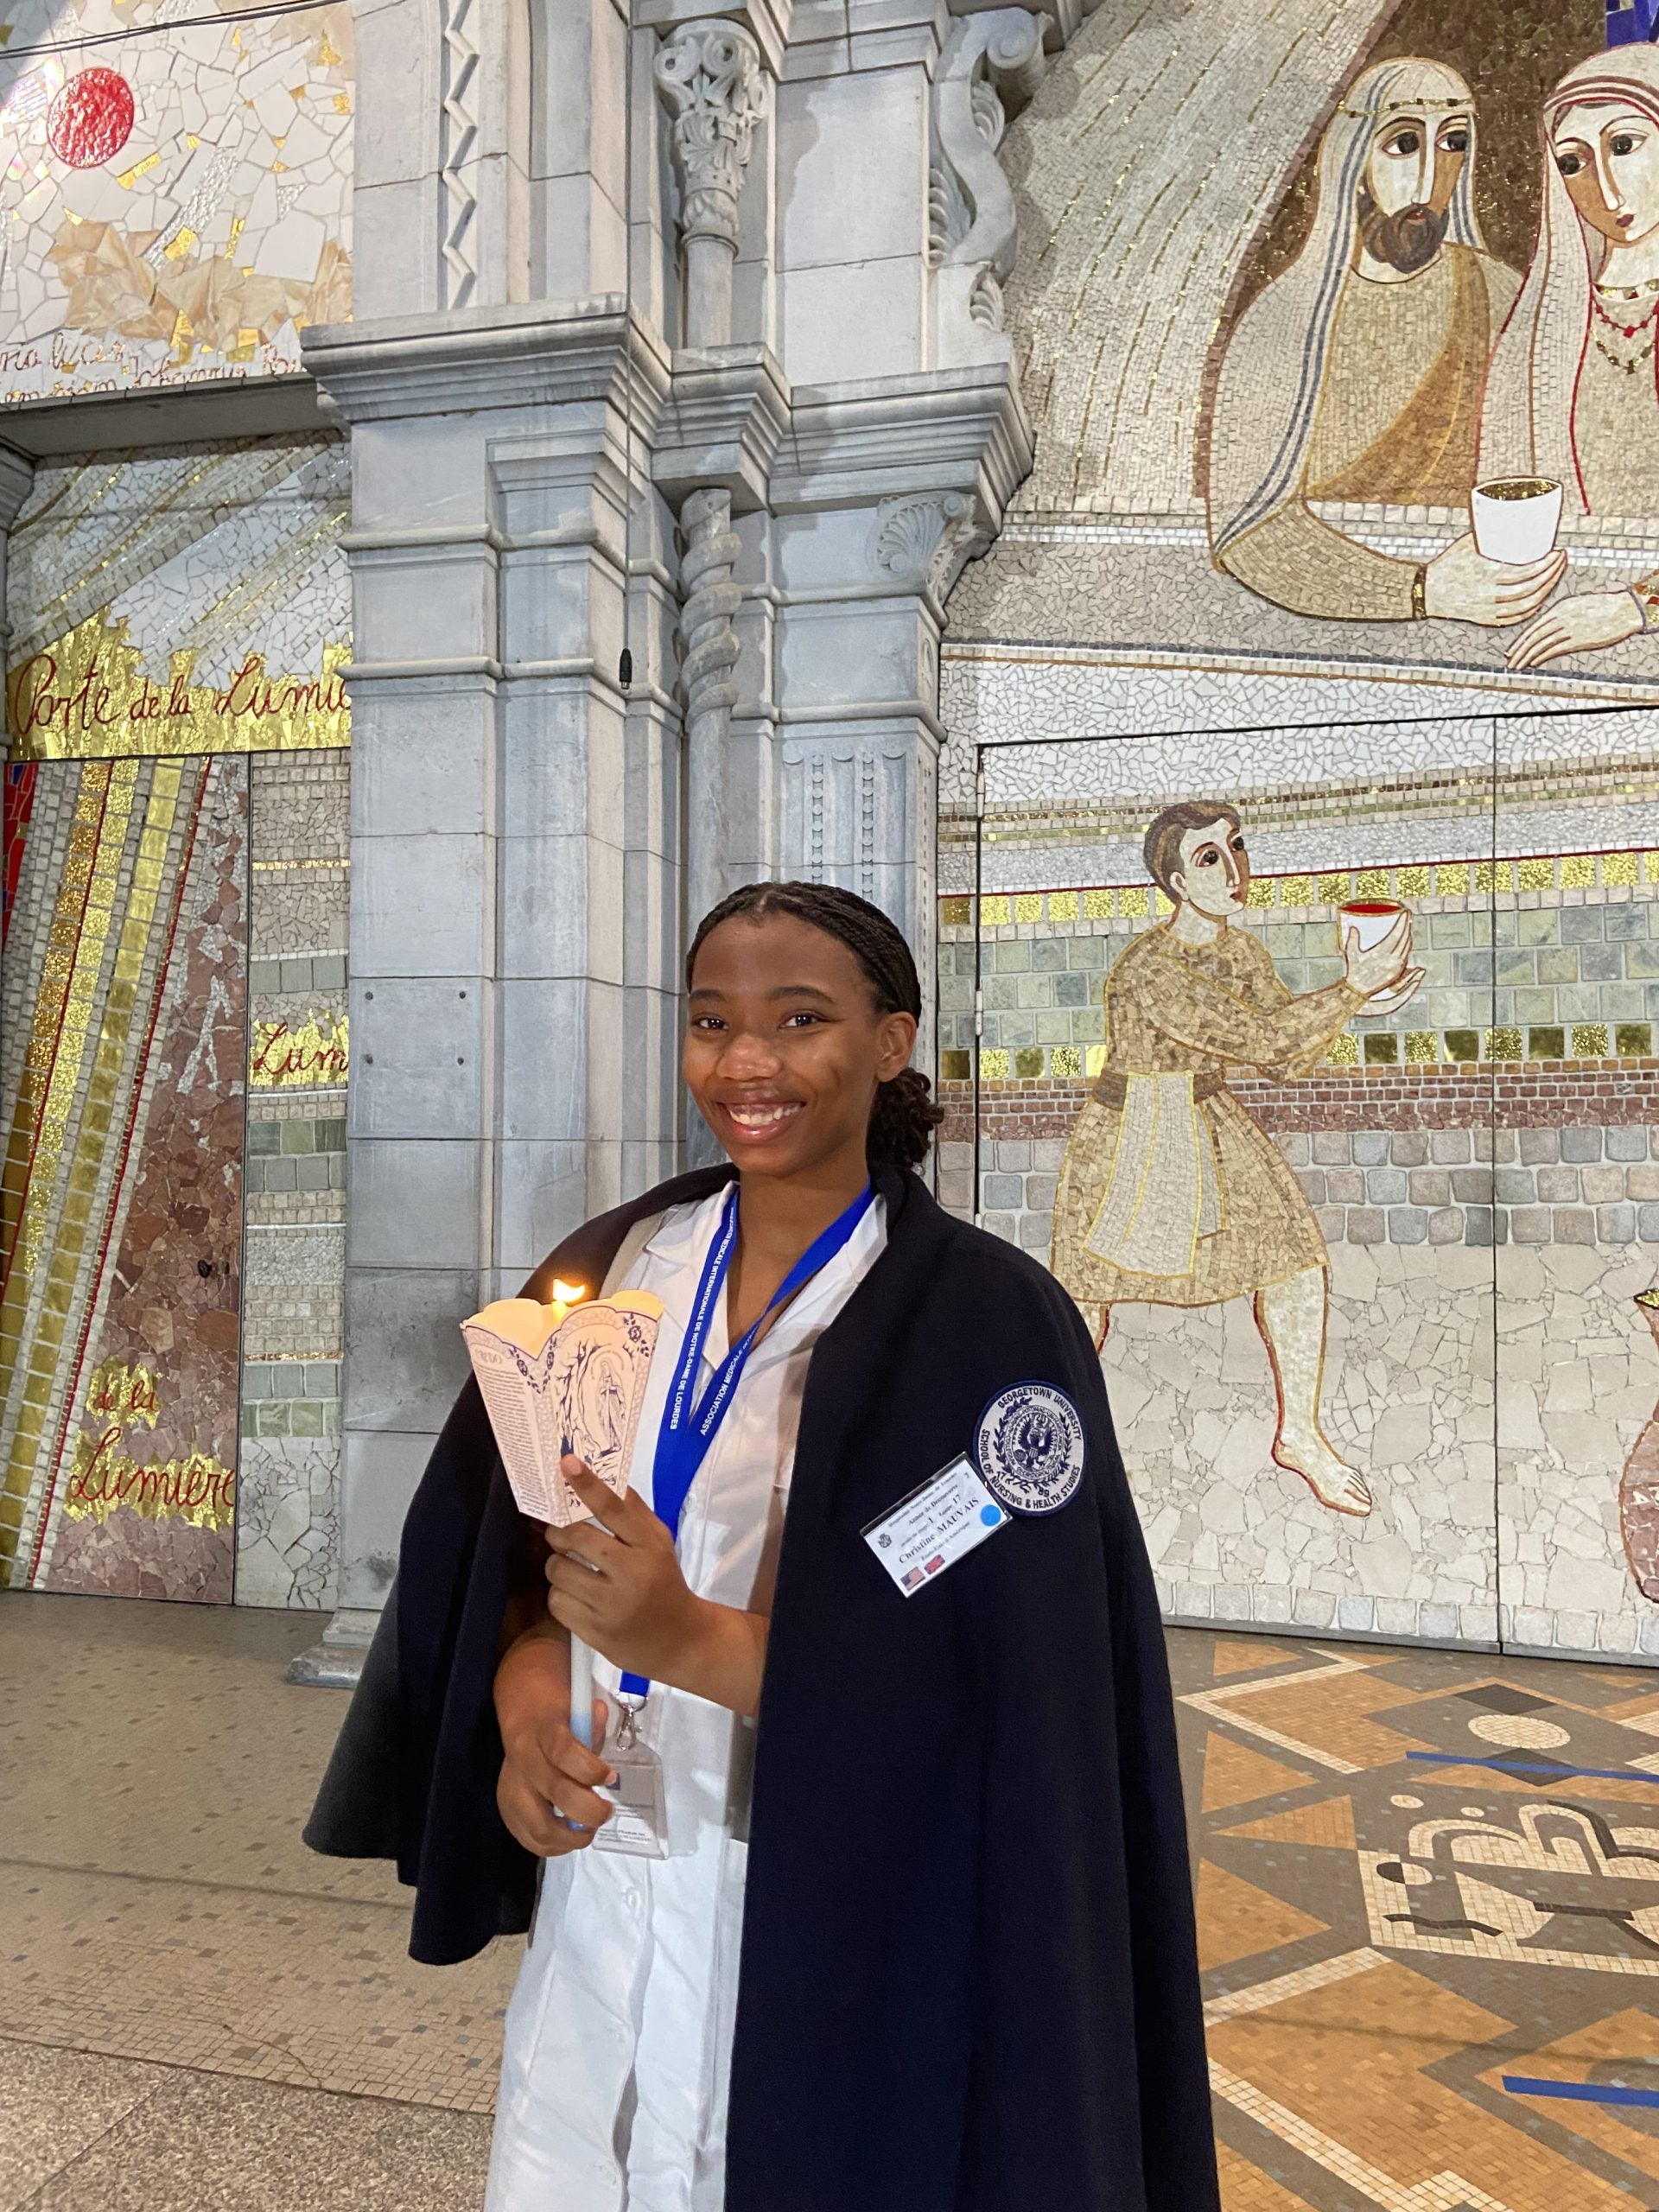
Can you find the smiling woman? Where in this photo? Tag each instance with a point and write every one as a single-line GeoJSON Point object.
{"type": "Point", "coordinates": [875, 1457]}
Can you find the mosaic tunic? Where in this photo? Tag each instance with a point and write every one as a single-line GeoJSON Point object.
{"type": "Point", "coordinates": [1174, 1008]}
{"type": "Point", "coordinates": [1398, 419]}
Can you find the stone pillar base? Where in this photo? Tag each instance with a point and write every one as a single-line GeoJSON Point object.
{"type": "Point", "coordinates": [337, 1661]}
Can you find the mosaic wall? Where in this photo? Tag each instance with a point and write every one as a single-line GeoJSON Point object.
{"type": "Point", "coordinates": [175, 193]}
{"type": "Point", "coordinates": [184, 600]}
{"type": "Point", "coordinates": [1337, 332]}
{"type": "Point", "coordinates": [1374, 1267]}
{"type": "Point", "coordinates": [294, 1290]}
{"type": "Point", "coordinates": [175, 1185]}
{"type": "Point", "coordinates": [123, 1010]}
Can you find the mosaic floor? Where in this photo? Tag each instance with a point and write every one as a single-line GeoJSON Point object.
{"type": "Point", "coordinates": [1428, 1933]}
{"type": "Point", "coordinates": [1429, 1900]}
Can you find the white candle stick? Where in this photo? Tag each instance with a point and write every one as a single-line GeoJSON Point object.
{"type": "Point", "coordinates": [581, 1692]}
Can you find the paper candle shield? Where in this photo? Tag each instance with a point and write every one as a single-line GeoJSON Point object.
{"type": "Point", "coordinates": [557, 1379]}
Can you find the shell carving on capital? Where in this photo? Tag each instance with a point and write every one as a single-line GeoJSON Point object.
{"type": "Point", "coordinates": [925, 540]}
{"type": "Point", "coordinates": [710, 77]}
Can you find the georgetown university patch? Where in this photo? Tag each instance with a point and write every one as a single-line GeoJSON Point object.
{"type": "Point", "coordinates": [1029, 1448]}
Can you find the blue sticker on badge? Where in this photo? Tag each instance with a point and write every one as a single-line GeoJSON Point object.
{"type": "Point", "coordinates": [1028, 1448]}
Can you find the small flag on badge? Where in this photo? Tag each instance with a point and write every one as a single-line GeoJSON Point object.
{"type": "Point", "coordinates": [934, 1563]}
{"type": "Point", "coordinates": [916, 1575]}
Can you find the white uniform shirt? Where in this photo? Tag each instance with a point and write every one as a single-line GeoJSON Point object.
{"type": "Point", "coordinates": [618, 2036]}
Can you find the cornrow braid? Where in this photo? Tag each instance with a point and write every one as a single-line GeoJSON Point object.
{"type": "Point", "coordinates": [904, 1115]}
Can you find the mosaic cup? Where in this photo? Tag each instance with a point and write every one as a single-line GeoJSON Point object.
{"type": "Point", "coordinates": [1370, 920]}
{"type": "Point", "coordinates": [1516, 517]}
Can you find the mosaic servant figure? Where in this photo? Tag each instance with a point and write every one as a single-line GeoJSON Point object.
{"type": "Point", "coordinates": [1170, 1194]}
{"type": "Point", "coordinates": [1358, 374]}
{"type": "Point", "coordinates": [1575, 389]}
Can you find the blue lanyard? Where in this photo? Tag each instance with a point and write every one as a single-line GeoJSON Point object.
{"type": "Point", "coordinates": [688, 1428]}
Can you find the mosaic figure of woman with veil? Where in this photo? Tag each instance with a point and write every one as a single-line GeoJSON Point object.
{"type": "Point", "coordinates": [1574, 396]}
{"type": "Point", "coordinates": [1358, 375]}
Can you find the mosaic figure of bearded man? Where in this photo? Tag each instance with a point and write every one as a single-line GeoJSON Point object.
{"type": "Point", "coordinates": [1171, 1194]}
{"type": "Point", "coordinates": [1358, 375]}
{"type": "Point", "coordinates": [1573, 398]}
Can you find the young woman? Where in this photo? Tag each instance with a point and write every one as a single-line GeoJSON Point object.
{"type": "Point", "coordinates": [920, 1939]}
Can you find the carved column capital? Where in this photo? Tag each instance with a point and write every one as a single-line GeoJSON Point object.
{"type": "Point", "coordinates": [710, 77]}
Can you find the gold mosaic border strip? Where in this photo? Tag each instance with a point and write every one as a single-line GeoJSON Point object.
{"type": "Point", "coordinates": [1580, 1042]}
{"type": "Point", "coordinates": [45, 1346]}
{"type": "Point", "coordinates": [1439, 880]}
{"type": "Point", "coordinates": [57, 1051]}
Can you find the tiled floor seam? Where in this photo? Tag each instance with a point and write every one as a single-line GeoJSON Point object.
{"type": "Point", "coordinates": [307, 2082]}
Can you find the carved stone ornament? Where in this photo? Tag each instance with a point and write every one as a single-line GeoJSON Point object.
{"type": "Point", "coordinates": [924, 541]}
{"type": "Point", "coordinates": [991, 60]}
{"type": "Point", "coordinates": [711, 80]}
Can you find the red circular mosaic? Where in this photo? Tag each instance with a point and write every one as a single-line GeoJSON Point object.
{"type": "Point", "coordinates": [91, 118]}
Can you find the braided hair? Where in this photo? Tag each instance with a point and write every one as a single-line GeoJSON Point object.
{"type": "Point", "coordinates": [905, 1116]}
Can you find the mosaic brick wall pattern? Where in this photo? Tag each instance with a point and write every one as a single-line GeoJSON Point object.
{"type": "Point", "coordinates": [124, 1006]}
{"type": "Point", "coordinates": [177, 205]}
{"type": "Point", "coordinates": [287, 1519]}
{"type": "Point", "coordinates": [1458, 1179]}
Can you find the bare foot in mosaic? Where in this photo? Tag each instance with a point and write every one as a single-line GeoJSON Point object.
{"type": "Point", "coordinates": [1331, 1480]}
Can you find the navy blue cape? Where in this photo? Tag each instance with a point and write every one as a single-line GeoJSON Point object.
{"type": "Point", "coordinates": [969, 1978]}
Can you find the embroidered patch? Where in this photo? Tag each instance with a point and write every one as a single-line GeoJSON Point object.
{"type": "Point", "coordinates": [1029, 1448]}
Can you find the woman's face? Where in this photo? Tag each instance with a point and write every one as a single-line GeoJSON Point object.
{"type": "Point", "coordinates": [1214, 874]}
{"type": "Point", "coordinates": [1608, 155]}
{"type": "Point", "coordinates": [784, 1049]}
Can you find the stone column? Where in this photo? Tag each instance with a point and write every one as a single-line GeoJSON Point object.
{"type": "Point", "coordinates": [709, 76]}
{"type": "Point", "coordinates": [889, 486]}
{"type": "Point", "coordinates": [490, 1100]}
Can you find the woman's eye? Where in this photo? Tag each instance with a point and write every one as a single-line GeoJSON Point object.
{"type": "Point", "coordinates": [1455, 142]}
{"type": "Point", "coordinates": [1569, 164]}
{"type": "Point", "coordinates": [1404, 141]}
{"type": "Point", "coordinates": [1623, 142]}
{"type": "Point", "coordinates": [800, 1017]}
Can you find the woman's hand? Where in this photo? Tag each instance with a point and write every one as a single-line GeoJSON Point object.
{"type": "Point", "coordinates": [1584, 624]}
{"type": "Point", "coordinates": [615, 1581]}
{"type": "Point", "coordinates": [548, 1779]}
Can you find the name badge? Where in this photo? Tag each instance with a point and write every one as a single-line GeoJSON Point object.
{"type": "Point", "coordinates": [942, 1521]}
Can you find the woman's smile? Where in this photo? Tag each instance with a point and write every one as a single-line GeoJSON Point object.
{"type": "Point", "coordinates": [757, 1118]}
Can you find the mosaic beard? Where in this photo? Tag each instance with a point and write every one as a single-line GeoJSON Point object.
{"type": "Point", "coordinates": [1407, 239]}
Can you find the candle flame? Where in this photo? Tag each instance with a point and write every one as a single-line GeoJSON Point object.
{"type": "Point", "coordinates": [568, 1294]}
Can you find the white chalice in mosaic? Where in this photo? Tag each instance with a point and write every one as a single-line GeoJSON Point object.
{"type": "Point", "coordinates": [1365, 922]}
{"type": "Point", "coordinates": [1516, 517]}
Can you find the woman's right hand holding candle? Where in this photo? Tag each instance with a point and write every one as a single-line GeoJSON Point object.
{"type": "Point", "coordinates": [548, 1779]}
